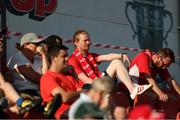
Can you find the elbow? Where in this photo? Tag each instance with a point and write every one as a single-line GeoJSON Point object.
{"type": "Point", "coordinates": [65, 99]}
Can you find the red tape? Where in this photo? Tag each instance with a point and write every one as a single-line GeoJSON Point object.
{"type": "Point", "coordinates": [98, 45]}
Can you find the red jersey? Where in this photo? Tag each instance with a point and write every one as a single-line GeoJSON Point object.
{"type": "Point", "coordinates": [77, 65]}
{"type": "Point", "coordinates": [142, 65]}
{"type": "Point", "coordinates": [51, 80]}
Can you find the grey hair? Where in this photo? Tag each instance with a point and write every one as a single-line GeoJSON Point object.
{"type": "Point", "coordinates": [102, 84]}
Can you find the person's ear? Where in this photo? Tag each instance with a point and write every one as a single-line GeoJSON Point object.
{"type": "Point", "coordinates": [76, 43]}
{"type": "Point", "coordinates": [52, 59]}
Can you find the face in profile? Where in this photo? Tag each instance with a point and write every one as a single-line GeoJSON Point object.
{"type": "Point", "coordinates": [83, 42]}
{"type": "Point", "coordinates": [62, 58]}
{"type": "Point", "coordinates": [163, 62]}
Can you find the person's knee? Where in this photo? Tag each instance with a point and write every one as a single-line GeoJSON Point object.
{"type": "Point", "coordinates": [5, 85]}
{"type": "Point", "coordinates": [117, 62]}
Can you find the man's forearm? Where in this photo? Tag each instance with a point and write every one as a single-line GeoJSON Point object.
{"type": "Point", "coordinates": [155, 87]}
{"type": "Point", "coordinates": [174, 85]}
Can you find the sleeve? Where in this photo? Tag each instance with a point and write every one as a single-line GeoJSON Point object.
{"type": "Point", "coordinates": [46, 86]}
{"type": "Point", "coordinates": [76, 65]}
{"type": "Point", "coordinates": [17, 60]}
{"type": "Point", "coordinates": [143, 62]}
{"type": "Point", "coordinates": [95, 56]}
{"type": "Point", "coordinates": [77, 83]}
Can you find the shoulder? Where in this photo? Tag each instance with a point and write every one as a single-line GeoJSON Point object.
{"type": "Point", "coordinates": [94, 54]}
{"type": "Point", "coordinates": [72, 59]}
{"type": "Point", "coordinates": [18, 59]}
{"type": "Point", "coordinates": [141, 59]}
{"type": "Point", "coordinates": [142, 56]}
{"type": "Point", "coordinates": [18, 55]}
{"type": "Point", "coordinates": [48, 76]}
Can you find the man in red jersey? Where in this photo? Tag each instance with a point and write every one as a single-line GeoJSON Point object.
{"type": "Point", "coordinates": [55, 81]}
{"type": "Point", "coordinates": [85, 64]}
{"type": "Point", "coordinates": [144, 68]}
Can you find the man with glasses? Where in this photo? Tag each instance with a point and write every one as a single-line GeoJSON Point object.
{"type": "Point", "coordinates": [144, 68]}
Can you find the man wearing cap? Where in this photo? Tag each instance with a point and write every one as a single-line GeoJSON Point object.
{"type": "Point", "coordinates": [8, 93]}
{"type": "Point", "coordinates": [26, 66]}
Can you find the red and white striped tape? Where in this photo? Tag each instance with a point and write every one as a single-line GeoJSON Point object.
{"type": "Point", "coordinates": [70, 41]}
{"type": "Point", "coordinates": [108, 46]}
{"type": "Point", "coordinates": [93, 44]}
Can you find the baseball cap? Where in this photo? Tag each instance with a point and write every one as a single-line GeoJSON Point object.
{"type": "Point", "coordinates": [53, 40]}
{"type": "Point", "coordinates": [30, 38]}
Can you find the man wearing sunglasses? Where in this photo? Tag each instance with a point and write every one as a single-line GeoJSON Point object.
{"type": "Point", "coordinates": [144, 69]}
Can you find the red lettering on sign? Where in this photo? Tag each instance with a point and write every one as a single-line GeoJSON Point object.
{"type": "Point", "coordinates": [51, 6]}
{"type": "Point", "coordinates": [37, 9]}
{"type": "Point", "coordinates": [23, 5]}
{"type": "Point", "coordinates": [42, 8]}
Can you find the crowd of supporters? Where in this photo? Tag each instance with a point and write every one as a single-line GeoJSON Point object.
{"type": "Point", "coordinates": [43, 81]}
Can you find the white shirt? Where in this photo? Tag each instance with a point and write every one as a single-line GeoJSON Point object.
{"type": "Point", "coordinates": [82, 99]}
{"type": "Point", "coordinates": [20, 82]}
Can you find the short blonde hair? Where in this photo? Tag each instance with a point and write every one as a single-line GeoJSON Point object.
{"type": "Point", "coordinates": [77, 33]}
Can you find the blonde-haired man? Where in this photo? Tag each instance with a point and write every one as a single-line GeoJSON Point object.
{"type": "Point", "coordinates": [85, 64]}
